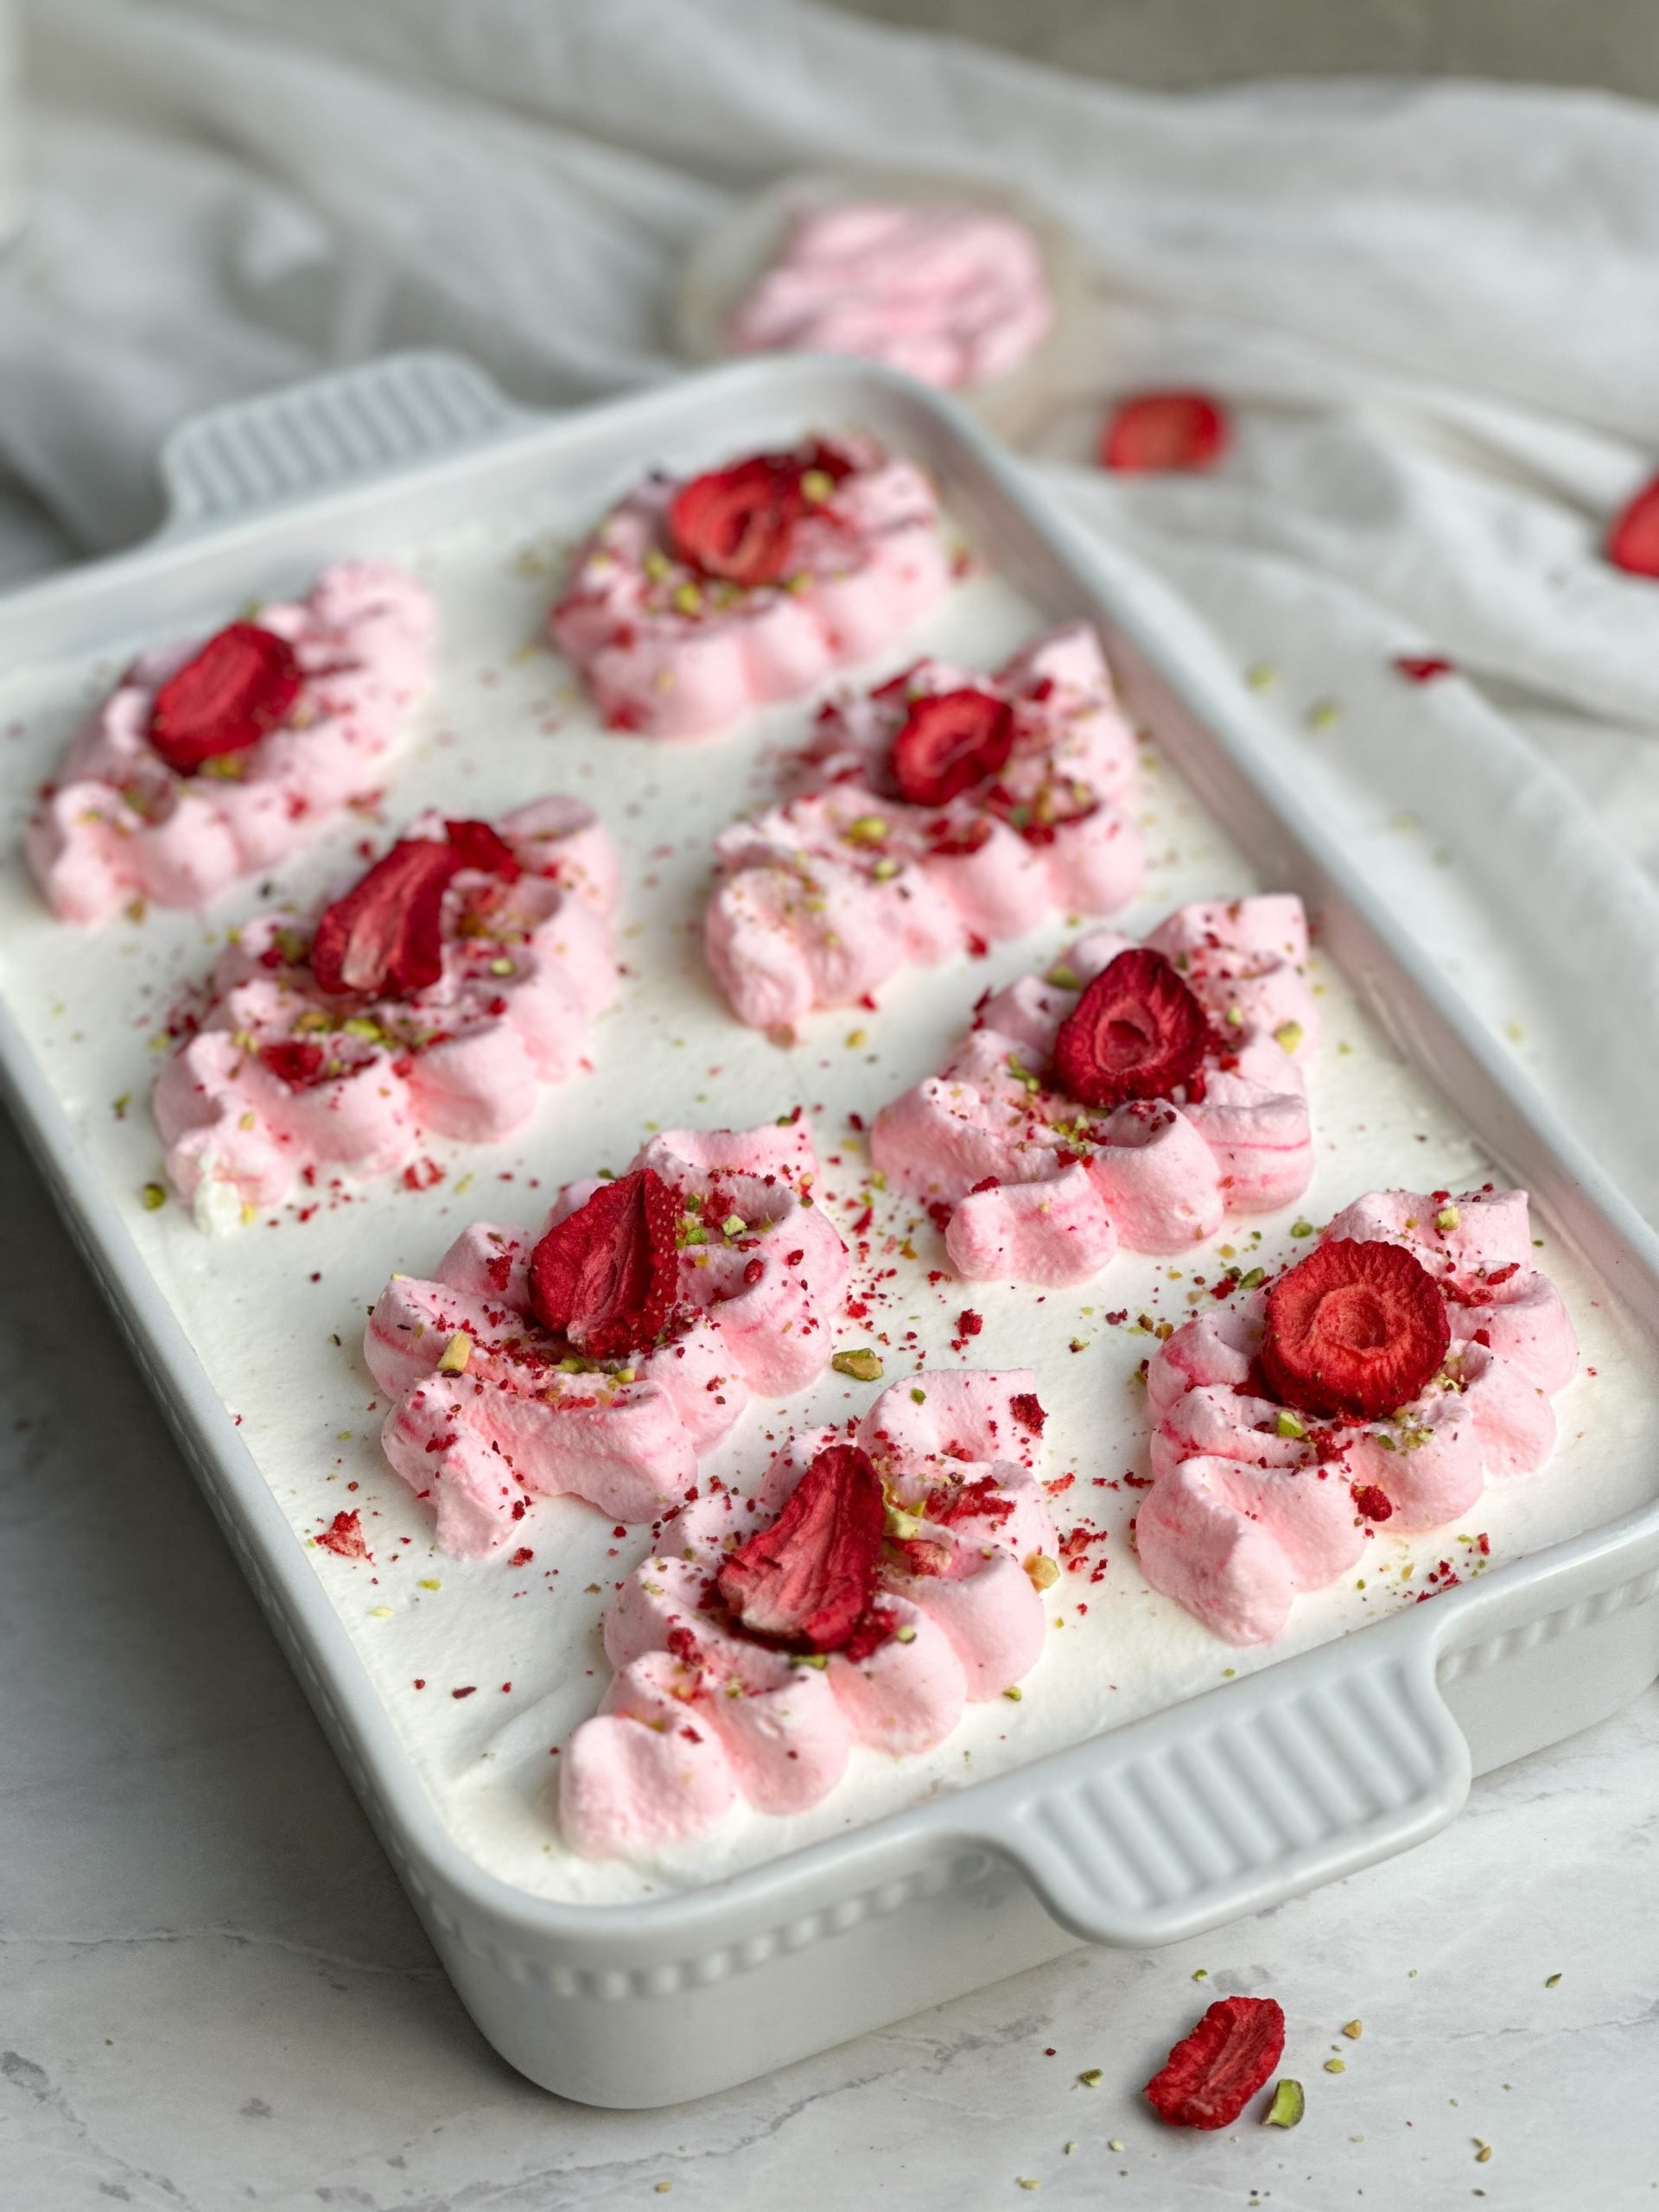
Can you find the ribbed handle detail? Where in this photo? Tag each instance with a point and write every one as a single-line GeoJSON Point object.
{"type": "Point", "coordinates": [1241, 1798]}
{"type": "Point", "coordinates": [254, 454]}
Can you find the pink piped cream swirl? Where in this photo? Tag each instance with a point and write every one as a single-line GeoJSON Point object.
{"type": "Point", "coordinates": [825, 897]}
{"type": "Point", "coordinates": [121, 824]}
{"type": "Point", "coordinates": [667, 651]}
{"type": "Point", "coordinates": [490, 1410]}
{"type": "Point", "coordinates": [701, 1716]}
{"type": "Point", "coordinates": [954, 296]}
{"type": "Point", "coordinates": [1253, 1503]}
{"type": "Point", "coordinates": [1031, 1187]}
{"type": "Point", "coordinates": [526, 967]}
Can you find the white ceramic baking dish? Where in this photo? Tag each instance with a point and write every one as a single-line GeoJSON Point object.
{"type": "Point", "coordinates": [1233, 1800]}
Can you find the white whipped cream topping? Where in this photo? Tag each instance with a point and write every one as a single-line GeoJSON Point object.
{"type": "Point", "coordinates": [501, 725]}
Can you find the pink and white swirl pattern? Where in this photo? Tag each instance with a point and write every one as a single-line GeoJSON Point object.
{"type": "Point", "coordinates": [699, 1715]}
{"type": "Point", "coordinates": [526, 967]}
{"type": "Point", "coordinates": [1249, 1507]}
{"type": "Point", "coordinates": [1064, 1184]}
{"type": "Point", "coordinates": [122, 824]}
{"type": "Point", "coordinates": [524, 1417]}
{"type": "Point", "coordinates": [824, 897]}
{"type": "Point", "coordinates": [668, 652]}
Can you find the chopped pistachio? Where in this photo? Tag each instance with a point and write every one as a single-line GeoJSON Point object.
{"type": "Point", "coordinates": [457, 1353]}
{"type": "Point", "coordinates": [1301, 1229]}
{"type": "Point", "coordinates": [1092, 2077]}
{"type": "Point", "coordinates": [808, 1659]}
{"type": "Point", "coordinates": [155, 1198]}
{"type": "Point", "coordinates": [885, 869]}
{"type": "Point", "coordinates": [1289, 1425]}
{"type": "Point", "coordinates": [503, 966]}
{"type": "Point", "coordinates": [1064, 977]}
{"type": "Point", "coordinates": [733, 1225]}
{"type": "Point", "coordinates": [1288, 1035]}
{"type": "Point", "coordinates": [688, 600]}
{"type": "Point", "coordinates": [1014, 1693]}
{"type": "Point", "coordinates": [817, 484]}
{"type": "Point", "coordinates": [863, 1365]}
{"type": "Point", "coordinates": [1044, 1572]}
{"type": "Point", "coordinates": [1551, 1980]}
{"type": "Point", "coordinates": [1234, 1017]}
{"type": "Point", "coordinates": [1353, 2030]}
{"type": "Point", "coordinates": [855, 1037]}
{"type": "Point", "coordinates": [1287, 2107]}
{"type": "Point", "coordinates": [1336, 2066]}
{"type": "Point", "coordinates": [905, 1634]}
{"type": "Point", "coordinates": [866, 829]}
{"type": "Point", "coordinates": [1323, 714]}
{"type": "Point", "coordinates": [1447, 1218]}
{"type": "Point", "coordinates": [1250, 1281]}
{"type": "Point", "coordinates": [918, 1397]}
{"type": "Point", "coordinates": [1261, 676]}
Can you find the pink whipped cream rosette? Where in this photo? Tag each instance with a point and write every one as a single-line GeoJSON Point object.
{"type": "Point", "coordinates": [667, 651]}
{"type": "Point", "coordinates": [121, 823]}
{"type": "Point", "coordinates": [954, 294]}
{"type": "Point", "coordinates": [822, 898]}
{"type": "Point", "coordinates": [526, 966]}
{"type": "Point", "coordinates": [1251, 1505]}
{"type": "Point", "coordinates": [1066, 1184]}
{"type": "Point", "coordinates": [701, 1714]}
{"type": "Point", "coordinates": [522, 1416]}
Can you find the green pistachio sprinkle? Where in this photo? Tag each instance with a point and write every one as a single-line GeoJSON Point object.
{"type": "Point", "coordinates": [863, 1365]}
{"type": "Point", "coordinates": [1301, 1229]}
{"type": "Point", "coordinates": [733, 1225]}
{"type": "Point", "coordinates": [1254, 1280]}
{"type": "Point", "coordinates": [155, 1198]}
{"type": "Point", "coordinates": [1288, 1035]}
{"type": "Point", "coordinates": [1289, 1425]}
{"type": "Point", "coordinates": [1064, 977]}
{"type": "Point", "coordinates": [885, 869]}
{"type": "Point", "coordinates": [1287, 2107]}
{"type": "Point", "coordinates": [1447, 1218]}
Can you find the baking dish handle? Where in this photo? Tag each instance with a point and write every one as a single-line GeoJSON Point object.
{"type": "Point", "coordinates": [1241, 1798]}
{"type": "Point", "coordinates": [253, 455]}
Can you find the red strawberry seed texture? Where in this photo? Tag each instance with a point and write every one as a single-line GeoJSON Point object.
{"type": "Point", "coordinates": [949, 742]}
{"type": "Point", "coordinates": [605, 1276]}
{"type": "Point", "coordinates": [1212, 2073]}
{"type": "Point", "coordinates": [241, 683]}
{"type": "Point", "coordinates": [1356, 1328]}
{"type": "Point", "coordinates": [807, 1581]}
{"type": "Point", "coordinates": [1137, 1031]}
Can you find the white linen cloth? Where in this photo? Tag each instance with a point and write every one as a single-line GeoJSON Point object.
{"type": "Point", "coordinates": [1430, 310]}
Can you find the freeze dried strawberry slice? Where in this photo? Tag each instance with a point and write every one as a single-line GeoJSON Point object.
{"type": "Point", "coordinates": [739, 524]}
{"type": "Point", "coordinates": [386, 934]}
{"type": "Point", "coordinates": [1355, 1328]}
{"type": "Point", "coordinates": [951, 741]}
{"type": "Point", "coordinates": [476, 845]}
{"type": "Point", "coordinates": [1165, 429]}
{"type": "Point", "coordinates": [1137, 1031]}
{"type": "Point", "coordinates": [605, 1276]}
{"type": "Point", "coordinates": [1633, 541]}
{"type": "Point", "coordinates": [241, 683]}
{"type": "Point", "coordinates": [297, 1061]}
{"type": "Point", "coordinates": [807, 1580]}
{"type": "Point", "coordinates": [1211, 2075]}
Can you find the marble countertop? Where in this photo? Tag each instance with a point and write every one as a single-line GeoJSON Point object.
{"type": "Point", "coordinates": [213, 1995]}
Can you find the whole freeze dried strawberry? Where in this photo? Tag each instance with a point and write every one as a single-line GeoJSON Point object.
{"type": "Point", "coordinates": [951, 742]}
{"type": "Point", "coordinates": [1165, 429]}
{"type": "Point", "coordinates": [386, 935]}
{"type": "Point", "coordinates": [605, 1276]}
{"type": "Point", "coordinates": [1211, 2075]}
{"type": "Point", "coordinates": [243, 683]}
{"type": "Point", "coordinates": [739, 524]}
{"type": "Point", "coordinates": [807, 1580]}
{"type": "Point", "coordinates": [1633, 541]}
{"type": "Point", "coordinates": [1355, 1328]}
{"type": "Point", "coordinates": [1137, 1031]}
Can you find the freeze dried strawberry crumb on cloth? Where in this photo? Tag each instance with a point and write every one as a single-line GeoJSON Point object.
{"type": "Point", "coordinates": [695, 600]}
{"type": "Point", "coordinates": [1380, 1382]}
{"type": "Point", "coordinates": [211, 760]}
{"type": "Point", "coordinates": [1132, 1093]}
{"type": "Point", "coordinates": [875, 1585]}
{"type": "Point", "coordinates": [462, 970]}
{"type": "Point", "coordinates": [945, 809]}
{"type": "Point", "coordinates": [606, 1355]}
